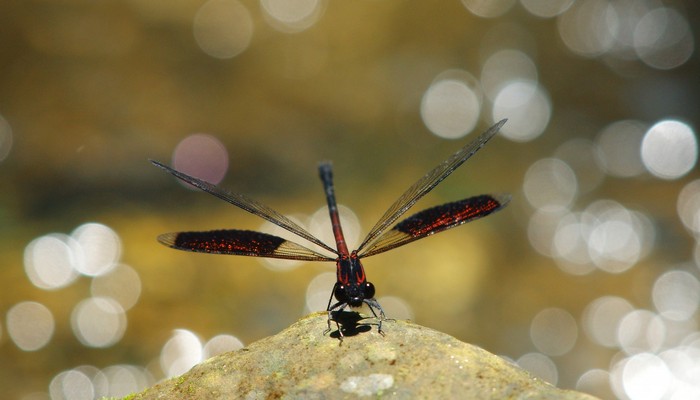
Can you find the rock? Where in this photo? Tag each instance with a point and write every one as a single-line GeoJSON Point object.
{"type": "Point", "coordinates": [408, 362]}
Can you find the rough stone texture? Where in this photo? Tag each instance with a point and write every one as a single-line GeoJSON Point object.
{"type": "Point", "coordinates": [409, 362]}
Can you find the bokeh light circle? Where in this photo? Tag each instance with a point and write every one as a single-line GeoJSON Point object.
{"type": "Point", "coordinates": [587, 28]}
{"type": "Point", "coordinates": [602, 317]}
{"type": "Point", "coordinates": [663, 39]}
{"type": "Point", "coordinates": [641, 331]}
{"type": "Point", "coordinates": [397, 307]}
{"type": "Point", "coordinates": [540, 365]}
{"type": "Point", "coordinates": [546, 9]}
{"type": "Point", "coordinates": [203, 156]}
{"type": "Point", "coordinates": [527, 107]}
{"type": "Point", "coordinates": [550, 185]}
{"type": "Point", "coordinates": [504, 66]}
{"type": "Point", "coordinates": [541, 229]}
{"type": "Point", "coordinates": [614, 244]}
{"type": "Point", "coordinates": [49, 261]}
{"type": "Point", "coordinates": [223, 28]}
{"type": "Point", "coordinates": [669, 149]}
{"type": "Point", "coordinates": [646, 376]}
{"type": "Point", "coordinates": [553, 331]}
{"type": "Point", "coordinates": [658, 36]}
{"type": "Point", "coordinates": [595, 381]}
{"type": "Point", "coordinates": [122, 284]}
{"type": "Point", "coordinates": [450, 108]}
{"type": "Point", "coordinates": [180, 353]}
{"type": "Point", "coordinates": [292, 16]}
{"type": "Point", "coordinates": [688, 206]}
{"type": "Point", "coordinates": [98, 322]}
{"type": "Point", "coordinates": [121, 380]}
{"type": "Point", "coordinates": [220, 344]}
{"type": "Point", "coordinates": [71, 385]}
{"type": "Point", "coordinates": [618, 237]}
{"type": "Point", "coordinates": [30, 325]}
{"type": "Point", "coordinates": [99, 248]}
{"type": "Point", "coordinates": [676, 295]}
{"type": "Point", "coordinates": [618, 148]}
{"type": "Point", "coordinates": [488, 8]}
{"type": "Point", "coordinates": [318, 291]}
{"type": "Point", "coordinates": [570, 245]}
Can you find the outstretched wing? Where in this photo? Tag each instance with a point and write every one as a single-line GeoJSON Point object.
{"type": "Point", "coordinates": [242, 243]}
{"type": "Point", "coordinates": [436, 219]}
{"type": "Point", "coordinates": [425, 185]}
{"type": "Point", "coordinates": [247, 204]}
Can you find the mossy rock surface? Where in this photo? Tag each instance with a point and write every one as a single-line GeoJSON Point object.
{"type": "Point", "coordinates": [409, 362]}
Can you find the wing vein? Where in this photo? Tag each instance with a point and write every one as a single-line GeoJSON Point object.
{"type": "Point", "coordinates": [426, 184]}
{"type": "Point", "coordinates": [247, 204]}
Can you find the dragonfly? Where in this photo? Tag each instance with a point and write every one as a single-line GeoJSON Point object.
{"type": "Point", "coordinates": [351, 289]}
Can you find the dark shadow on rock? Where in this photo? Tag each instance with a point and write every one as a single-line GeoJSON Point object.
{"type": "Point", "coordinates": [348, 322]}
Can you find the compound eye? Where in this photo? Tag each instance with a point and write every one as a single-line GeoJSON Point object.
{"type": "Point", "coordinates": [369, 290]}
{"type": "Point", "coordinates": [340, 294]}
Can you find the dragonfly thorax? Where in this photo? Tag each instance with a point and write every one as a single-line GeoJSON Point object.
{"type": "Point", "coordinates": [352, 287]}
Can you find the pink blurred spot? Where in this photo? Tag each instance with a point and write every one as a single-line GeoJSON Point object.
{"type": "Point", "coordinates": [202, 156]}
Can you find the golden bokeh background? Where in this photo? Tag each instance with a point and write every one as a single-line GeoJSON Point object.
{"type": "Point", "coordinates": [590, 278]}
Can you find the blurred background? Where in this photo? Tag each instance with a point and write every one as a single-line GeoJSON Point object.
{"type": "Point", "coordinates": [588, 279]}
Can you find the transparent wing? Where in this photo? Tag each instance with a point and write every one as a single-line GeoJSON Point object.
{"type": "Point", "coordinates": [247, 204]}
{"type": "Point", "coordinates": [425, 185]}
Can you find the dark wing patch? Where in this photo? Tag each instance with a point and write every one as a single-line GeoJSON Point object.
{"type": "Point", "coordinates": [436, 219]}
{"type": "Point", "coordinates": [242, 243]}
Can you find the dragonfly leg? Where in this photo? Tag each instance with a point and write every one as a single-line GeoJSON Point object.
{"type": "Point", "coordinates": [330, 312]}
{"type": "Point", "coordinates": [373, 303]}
{"type": "Point", "coordinates": [336, 308]}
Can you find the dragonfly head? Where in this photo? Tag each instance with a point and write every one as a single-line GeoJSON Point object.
{"type": "Point", "coordinates": [354, 294]}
